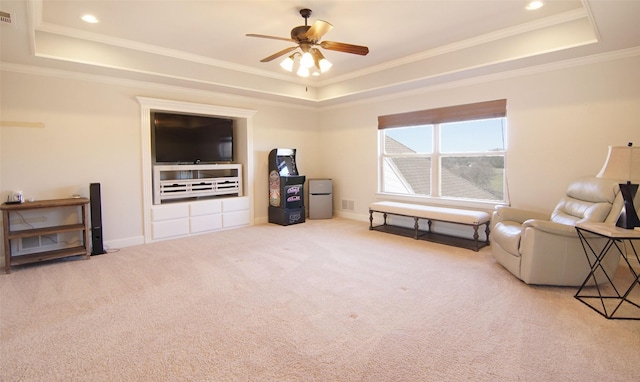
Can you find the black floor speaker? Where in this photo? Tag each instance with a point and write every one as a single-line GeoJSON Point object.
{"type": "Point", "coordinates": [97, 247]}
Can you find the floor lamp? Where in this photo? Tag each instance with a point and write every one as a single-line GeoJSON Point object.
{"type": "Point", "coordinates": [623, 162]}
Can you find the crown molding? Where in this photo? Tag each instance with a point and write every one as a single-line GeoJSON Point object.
{"type": "Point", "coordinates": [38, 24]}
{"type": "Point", "coordinates": [149, 85]}
{"type": "Point", "coordinates": [514, 73]}
{"type": "Point", "coordinates": [502, 34]}
{"type": "Point", "coordinates": [317, 105]}
{"type": "Point", "coordinates": [156, 50]}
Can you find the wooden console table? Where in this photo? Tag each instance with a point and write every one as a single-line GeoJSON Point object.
{"type": "Point", "coordinates": [83, 225]}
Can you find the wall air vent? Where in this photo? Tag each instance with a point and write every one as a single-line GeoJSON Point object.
{"type": "Point", "coordinates": [5, 17]}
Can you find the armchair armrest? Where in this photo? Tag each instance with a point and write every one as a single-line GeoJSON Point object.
{"type": "Point", "coordinates": [551, 227]}
{"type": "Point", "coordinates": [504, 213]}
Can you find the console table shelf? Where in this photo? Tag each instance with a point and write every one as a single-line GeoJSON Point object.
{"type": "Point", "coordinates": [48, 255]}
{"type": "Point", "coordinates": [9, 234]}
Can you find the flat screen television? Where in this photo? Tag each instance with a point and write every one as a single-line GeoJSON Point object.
{"type": "Point", "coordinates": [191, 139]}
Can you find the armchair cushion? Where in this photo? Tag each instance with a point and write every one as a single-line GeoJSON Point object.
{"type": "Point", "coordinates": [587, 200]}
{"type": "Point", "coordinates": [550, 227]}
{"type": "Point", "coordinates": [507, 235]}
{"type": "Point", "coordinates": [504, 213]}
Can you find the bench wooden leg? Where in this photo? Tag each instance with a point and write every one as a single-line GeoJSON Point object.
{"type": "Point", "coordinates": [370, 219]}
{"type": "Point", "coordinates": [416, 226]}
{"type": "Point", "coordinates": [476, 237]}
{"type": "Point", "coordinates": [486, 231]}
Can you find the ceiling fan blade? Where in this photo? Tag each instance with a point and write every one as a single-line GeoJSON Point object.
{"type": "Point", "coordinates": [317, 30]}
{"type": "Point", "coordinates": [345, 48]}
{"type": "Point", "coordinates": [269, 37]}
{"type": "Point", "coordinates": [280, 53]}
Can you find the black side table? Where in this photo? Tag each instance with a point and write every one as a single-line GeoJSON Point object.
{"type": "Point", "coordinates": [614, 300]}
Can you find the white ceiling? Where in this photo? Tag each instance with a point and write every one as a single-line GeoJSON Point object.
{"type": "Point", "coordinates": [202, 44]}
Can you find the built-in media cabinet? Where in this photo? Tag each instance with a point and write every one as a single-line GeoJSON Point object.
{"type": "Point", "coordinates": [194, 199]}
{"type": "Point", "coordinates": [197, 197]}
{"type": "Point", "coordinates": [173, 182]}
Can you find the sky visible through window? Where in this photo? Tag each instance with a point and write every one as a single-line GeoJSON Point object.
{"type": "Point", "coordinates": [467, 136]}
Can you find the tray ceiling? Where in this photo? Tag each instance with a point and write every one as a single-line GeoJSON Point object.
{"type": "Point", "coordinates": [202, 44]}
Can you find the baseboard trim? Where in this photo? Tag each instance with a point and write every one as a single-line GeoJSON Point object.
{"type": "Point", "coordinates": [352, 216]}
{"type": "Point", "coordinates": [121, 243]}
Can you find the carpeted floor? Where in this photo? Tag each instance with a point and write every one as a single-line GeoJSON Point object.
{"type": "Point", "coordinates": [327, 300]}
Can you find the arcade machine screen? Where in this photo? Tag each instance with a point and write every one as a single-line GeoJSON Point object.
{"type": "Point", "coordinates": [286, 165]}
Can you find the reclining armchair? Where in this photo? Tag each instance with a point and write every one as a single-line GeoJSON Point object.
{"type": "Point", "coordinates": [545, 249]}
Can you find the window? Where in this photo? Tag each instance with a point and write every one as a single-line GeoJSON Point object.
{"type": "Point", "coordinates": [454, 153]}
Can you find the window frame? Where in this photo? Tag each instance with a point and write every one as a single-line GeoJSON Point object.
{"type": "Point", "coordinates": [435, 118]}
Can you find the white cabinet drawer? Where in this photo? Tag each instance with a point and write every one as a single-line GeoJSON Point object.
{"type": "Point", "coordinates": [205, 208]}
{"type": "Point", "coordinates": [236, 218]}
{"type": "Point", "coordinates": [235, 204]}
{"type": "Point", "coordinates": [176, 211]}
{"type": "Point", "coordinates": [170, 228]}
{"type": "Point", "coordinates": [196, 217]}
{"type": "Point", "coordinates": [206, 223]}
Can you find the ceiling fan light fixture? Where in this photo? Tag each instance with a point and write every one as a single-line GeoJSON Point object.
{"type": "Point", "coordinates": [303, 72]}
{"type": "Point", "coordinates": [320, 61]}
{"type": "Point", "coordinates": [307, 37]}
{"type": "Point", "coordinates": [324, 65]}
{"type": "Point", "coordinates": [287, 63]}
{"type": "Point", "coordinates": [307, 60]}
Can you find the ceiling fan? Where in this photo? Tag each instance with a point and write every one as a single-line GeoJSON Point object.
{"type": "Point", "coordinates": [307, 38]}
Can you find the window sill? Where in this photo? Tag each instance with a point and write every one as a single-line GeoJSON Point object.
{"type": "Point", "coordinates": [485, 205]}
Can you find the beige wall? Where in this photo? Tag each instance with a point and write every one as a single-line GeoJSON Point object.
{"type": "Point", "coordinates": [92, 133]}
{"type": "Point", "coordinates": [560, 123]}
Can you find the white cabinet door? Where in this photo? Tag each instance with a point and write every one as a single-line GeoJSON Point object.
{"type": "Point", "coordinates": [170, 228]}
{"type": "Point", "coordinates": [174, 211]}
{"type": "Point", "coordinates": [169, 221]}
{"type": "Point", "coordinates": [235, 218]}
{"type": "Point", "coordinates": [205, 223]}
{"type": "Point", "coordinates": [205, 208]}
{"type": "Point", "coordinates": [235, 212]}
{"type": "Point", "coordinates": [235, 204]}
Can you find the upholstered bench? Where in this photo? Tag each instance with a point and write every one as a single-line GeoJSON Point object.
{"type": "Point", "coordinates": [429, 213]}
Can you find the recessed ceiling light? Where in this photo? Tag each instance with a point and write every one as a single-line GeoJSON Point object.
{"type": "Point", "coordinates": [537, 4]}
{"type": "Point", "coordinates": [91, 19]}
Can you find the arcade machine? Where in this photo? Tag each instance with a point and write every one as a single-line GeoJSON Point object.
{"type": "Point", "coordinates": [286, 193]}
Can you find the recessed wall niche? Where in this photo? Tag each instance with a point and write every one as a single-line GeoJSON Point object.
{"type": "Point", "coordinates": [243, 146]}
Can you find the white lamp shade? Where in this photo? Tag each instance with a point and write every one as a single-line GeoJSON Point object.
{"type": "Point", "coordinates": [623, 163]}
{"type": "Point", "coordinates": [287, 64]}
{"type": "Point", "coordinates": [306, 60]}
{"type": "Point", "coordinates": [303, 72]}
{"type": "Point", "coordinates": [324, 65]}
